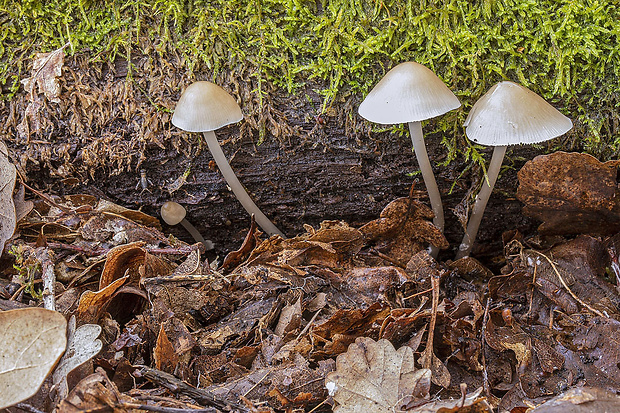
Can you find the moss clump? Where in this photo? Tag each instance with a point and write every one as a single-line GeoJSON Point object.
{"type": "Point", "coordinates": [565, 50]}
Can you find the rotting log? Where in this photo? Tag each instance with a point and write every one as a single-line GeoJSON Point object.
{"type": "Point", "coordinates": [113, 137]}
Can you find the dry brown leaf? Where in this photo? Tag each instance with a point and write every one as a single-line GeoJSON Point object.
{"type": "Point", "coordinates": [235, 258]}
{"type": "Point", "coordinates": [403, 229]}
{"type": "Point", "coordinates": [121, 261]}
{"type": "Point", "coordinates": [46, 68]}
{"type": "Point", "coordinates": [22, 207]}
{"type": "Point", "coordinates": [33, 339]}
{"type": "Point", "coordinates": [93, 304]}
{"type": "Point", "coordinates": [374, 377]}
{"type": "Point", "coordinates": [165, 357]}
{"type": "Point", "coordinates": [8, 219]}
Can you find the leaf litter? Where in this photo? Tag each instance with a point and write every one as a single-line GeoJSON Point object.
{"type": "Point", "coordinates": [337, 318]}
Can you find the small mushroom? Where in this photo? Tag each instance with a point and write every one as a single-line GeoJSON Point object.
{"type": "Point", "coordinates": [205, 107]}
{"type": "Point", "coordinates": [173, 213]}
{"type": "Point", "coordinates": [508, 114]}
{"type": "Point", "coordinates": [411, 93]}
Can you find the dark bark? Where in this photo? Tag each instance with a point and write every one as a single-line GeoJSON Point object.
{"type": "Point", "coordinates": [296, 184]}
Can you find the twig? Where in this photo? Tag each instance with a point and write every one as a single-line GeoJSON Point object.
{"type": "Point", "coordinates": [162, 409]}
{"type": "Point", "coordinates": [580, 301]}
{"type": "Point", "coordinates": [27, 408]}
{"type": "Point", "coordinates": [177, 386]}
{"type": "Point", "coordinates": [49, 200]}
{"type": "Point", "coordinates": [416, 294]}
{"type": "Point", "coordinates": [256, 384]}
{"type": "Point", "coordinates": [485, 374]}
{"type": "Point", "coordinates": [48, 276]}
{"type": "Point", "coordinates": [431, 328]}
{"type": "Point", "coordinates": [309, 324]}
{"type": "Point", "coordinates": [76, 248]}
{"type": "Point", "coordinates": [387, 258]}
{"type": "Point", "coordinates": [176, 278]}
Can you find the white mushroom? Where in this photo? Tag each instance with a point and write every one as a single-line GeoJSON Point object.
{"type": "Point", "coordinates": [508, 114]}
{"type": "Point", "coordinates": [173, 213]}
{"type": "Point", "coordinates": [205, 107]}
{"type": "Point", "coordinates": [411, 93]}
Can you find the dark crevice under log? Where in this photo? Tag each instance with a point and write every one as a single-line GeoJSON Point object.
{"type": "Point", "coordinates": [300, 184]}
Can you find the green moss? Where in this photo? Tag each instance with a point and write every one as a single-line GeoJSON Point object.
{"type": "Point", "coordinates": [565, 50]}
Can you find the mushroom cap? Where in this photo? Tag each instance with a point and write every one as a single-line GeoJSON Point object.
{"type": "Point", "coordinates": [203, 107]}
{"type": "Point", "coordinates": [511, 114]}
{"type": "Point", "coordinates": [172, 213]}
{"type": "Point", "coordinates": [409, 92]}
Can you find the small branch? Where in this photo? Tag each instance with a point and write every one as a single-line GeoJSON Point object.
{"type": "Point", "coordinates": [162, 409]}
{"type": "Point", "coordinates": [579, 300]}
{"type": "Point", "coordinates": [177, 386]}
{"type": "Point", "coordinates": [27, 408]}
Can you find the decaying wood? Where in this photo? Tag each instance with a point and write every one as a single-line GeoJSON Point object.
{"type": "Point", "coordinates": [178, 386]}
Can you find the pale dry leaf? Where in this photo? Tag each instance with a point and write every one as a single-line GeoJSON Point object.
{"type": "Point", "coordinates": [374, 377]}
{"type": "Point", "coordinates": [46, 68]}
{"type": "Point", "coordinates": [8, 219]}
{"type": "Point", "coordinates": [83, 345]}
{"type": "Point", "coordinates": [33, 339]}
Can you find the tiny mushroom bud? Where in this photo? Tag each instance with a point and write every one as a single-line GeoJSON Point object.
{"type": "Point", "coordinates": [508, 114]}
{"type": "Point", "coordinates": [173, 213]}
{"type": "Point", "coordinates": [205, 107]}
{"type": "Point", "coordinates": [411, 93]}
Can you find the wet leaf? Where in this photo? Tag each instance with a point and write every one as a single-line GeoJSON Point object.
{"type": "Point", "coordinates": [8, 219]}
{"type": "Point", "coordinates": [572, 193]}
{"type": "Point", "coordinates": [33, 339]}
{"type": "Point", "coordinates": [374, 377]}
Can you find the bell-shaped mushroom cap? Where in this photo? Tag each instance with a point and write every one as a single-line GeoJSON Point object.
{"type": "Point", "coordinates": [172, 213]}
{"type": "Point", "coordinates": [203, 107]}
{"type": "Point", "coordinates": [409, 92]}
{"type": "Point", "coordinates": [511, 114]}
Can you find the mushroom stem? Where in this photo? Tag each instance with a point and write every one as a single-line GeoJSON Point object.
{"type": "Point", "coordinates": [415, 129]}
{"type": "Point", "coordinates": [481, 202]}
{"type": "Point", "coordinates": [237, 188]}
{"type": "Point", "coordinates": [196, 234]}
